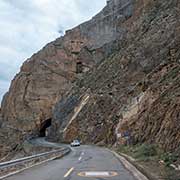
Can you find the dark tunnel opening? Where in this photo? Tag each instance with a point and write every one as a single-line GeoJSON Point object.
{"type": "Point", "coordinates": [79, 67]}
{"type": "Point", "coordinates": [44, 128]}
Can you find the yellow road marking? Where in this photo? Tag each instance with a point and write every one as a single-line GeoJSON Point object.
{"type": "Point", "coordinates": [69, 172]}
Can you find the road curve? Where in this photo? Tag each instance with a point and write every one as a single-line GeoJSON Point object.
{"type": "Point", "coordinates": [44, 143]}
{"type": "Point", "coordinates": [84, 162]}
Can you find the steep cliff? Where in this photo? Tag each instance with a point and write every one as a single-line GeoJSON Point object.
{"type": "Point", "coordinates": [135, 90]}
{"type": "Point", "coordinates": [50, 73]}
{"type": "Point", "coordinates": [117, 73]}
{"type": "Point", "coordinates": [152, 115]}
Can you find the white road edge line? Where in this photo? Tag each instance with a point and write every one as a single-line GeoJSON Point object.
{"type": "Point", "coordinates": [130, 167]}
{"type": "Point", "coordinates": [69, 172]}
{"type": "Point", "coordinates": [80, 158]}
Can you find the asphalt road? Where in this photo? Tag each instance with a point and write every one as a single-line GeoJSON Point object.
{"type": "Point", "coordinates": [84, 162]}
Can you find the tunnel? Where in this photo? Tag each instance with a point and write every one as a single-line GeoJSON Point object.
{"type": "Point", "coordinates": [79, 67]}
{"type": "Point", "coordinates": [44, 126]}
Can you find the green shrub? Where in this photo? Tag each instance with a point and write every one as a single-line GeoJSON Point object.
{"type": "Point", "coordinates": [169, 158]}
{"type": "Point", "coordinates": [153, 153]}
{"type": "Point", "coordinates": [145, 151]}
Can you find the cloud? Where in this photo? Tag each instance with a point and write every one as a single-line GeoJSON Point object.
{"type": "Point", "coordinates": [26, 26]}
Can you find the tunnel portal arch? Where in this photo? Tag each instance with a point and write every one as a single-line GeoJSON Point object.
{"type": "Point", "coordinates": [44, 126]}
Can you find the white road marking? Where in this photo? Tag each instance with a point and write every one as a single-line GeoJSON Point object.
{"type": "Point", "coordinates": [82, 154]}
{"type": "Point", "coordinates": [94, 174]}
{"type": "Point", "coordinates": [69, 172]}
{"type": "Point", "coordinates": [98, 174]}
{"type": "Point", "coordinates": [130, 167]}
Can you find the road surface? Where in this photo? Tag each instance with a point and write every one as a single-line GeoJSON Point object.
{"type": "Point", "coordinates": [84, 162]}
{"type": "Point", "coordinates": [42, 142]}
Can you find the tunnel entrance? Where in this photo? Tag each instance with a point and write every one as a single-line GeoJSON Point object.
{"type": "Point", "coordinates": [44, 128]}
{"type": "Point", "coordinates": [79, 67]}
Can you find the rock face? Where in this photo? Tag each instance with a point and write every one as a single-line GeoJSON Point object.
{"type": "Point", "coordinates": [152, 115]}
{"type": "Point", "coordinates": [50, 73]}
{"type": "Point", "coordinates": [135, 90]}
{"type": "Point", "coordinates": [117, 73]}
{"type": "Point", "coordinates": [5, 143]}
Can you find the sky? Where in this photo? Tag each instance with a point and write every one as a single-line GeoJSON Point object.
{"type": "Point", "coordinates": [27, 25]}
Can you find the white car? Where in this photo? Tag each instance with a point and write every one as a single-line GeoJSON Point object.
{"type": "Point", "coordinates": [75, 143]}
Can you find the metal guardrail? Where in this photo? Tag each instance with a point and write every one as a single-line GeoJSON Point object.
{"type": "Point", "coordinates": [26, 159]}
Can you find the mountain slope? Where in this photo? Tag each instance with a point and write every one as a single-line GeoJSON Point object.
{"type": "Point", "coordinates": [115, 87]}
{"type": "Point", "coordinates": [117, 73]}
{"type": "Point", "coordinates": [50, 73]}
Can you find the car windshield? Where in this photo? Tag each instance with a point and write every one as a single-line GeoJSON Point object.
{"type": "Point", "coordinates": [76, 141]}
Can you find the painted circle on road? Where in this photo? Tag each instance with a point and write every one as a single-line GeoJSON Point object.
{"type": "Point", "coordinates": [98, 174]}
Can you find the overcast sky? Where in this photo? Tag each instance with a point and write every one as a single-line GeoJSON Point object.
{"type": "Point", "coordinates": [27, 25]}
